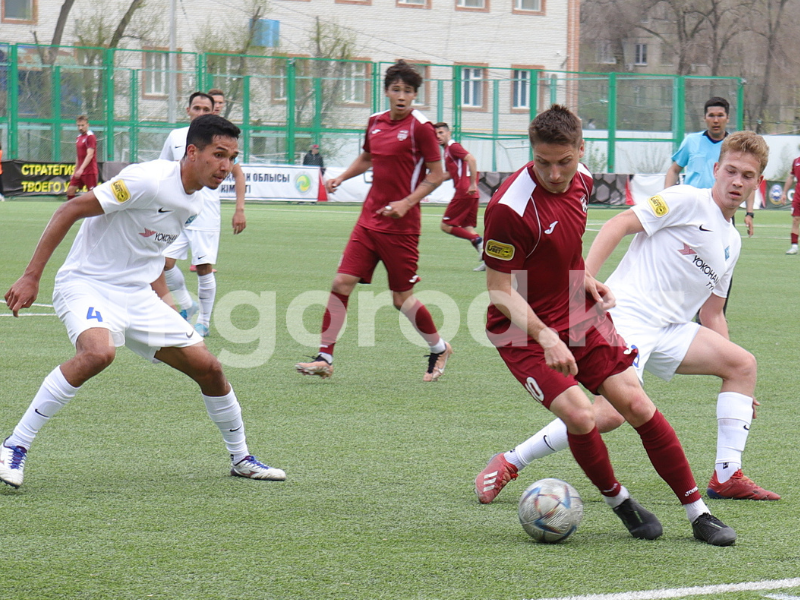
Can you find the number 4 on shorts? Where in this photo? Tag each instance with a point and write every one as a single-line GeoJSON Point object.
{"type": "Point", "coordinates": [94, 314]}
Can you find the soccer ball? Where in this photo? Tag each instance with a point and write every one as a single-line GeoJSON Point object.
{"type": "Point", "coordinates": [550, 510]}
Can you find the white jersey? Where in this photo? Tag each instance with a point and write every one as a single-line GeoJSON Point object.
{"type": "Point", "coordinates": [174, 149]}
{"type": "Point", "coordinates": [146, 208]}
{"type": "Point", "coordinates": [687, 252]}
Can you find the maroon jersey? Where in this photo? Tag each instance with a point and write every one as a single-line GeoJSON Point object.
{"type": "Point", "coordinates": [538, 233]}
{"type": "Point", "coordinates": [399, 151]}
{"type": "Point", "coordinates": [83, 143]}
{"type": "Point", "coordinates": [796, 173]}
{"type": "Point", "coordinates": [455, 162]}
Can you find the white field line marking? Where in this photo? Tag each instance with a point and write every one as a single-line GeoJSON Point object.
{"type": "Point", "coordinates": [775, 584]}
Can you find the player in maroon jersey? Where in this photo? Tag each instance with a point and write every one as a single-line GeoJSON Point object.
{"type": "Point", "coordinates": [794, 175]}
{"type": "Point", "coordinates": [85, 174]}
{"type": "Point", "coordinates": [547, 319]}
{"type": "Point", "coordinates": [461, 216]}
{"type": "Point", "coordinates": [401, 148]}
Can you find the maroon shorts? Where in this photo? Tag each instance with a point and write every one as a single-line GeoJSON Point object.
{"type": "Point", "coordinates": [796, 205]}
{"type": "Point", "coordinates": [87, 179]}
{"type": "Point", "coordinates": [398, 252]}
{"type": "Point", "coordinates": [604, 354]}
{"type": "Point", "coordinates": [462, 212]}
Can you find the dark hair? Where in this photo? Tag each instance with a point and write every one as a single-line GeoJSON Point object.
{"type": "Point", "coordinates": [216, 92]}
{"type": "Point", "coordinates": [205, 128]}
{"type": "Point", "coordinates": [442, 125]}
{"type": "Point", "coordinates": [556, 125]}
{"type": "Point", "coordinates": [404, 72]}
{"type": "Point", "coordinates": [717, 101]}
{"type": "Point", "coordinates": [200, 95]}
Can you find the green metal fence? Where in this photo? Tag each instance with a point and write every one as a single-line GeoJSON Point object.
{"type": "Point", "coordinates": [133, 98]}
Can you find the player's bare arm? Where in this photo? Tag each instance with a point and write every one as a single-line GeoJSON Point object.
{"type": "Point", "coordinates": [473, 174]}
{"type": "Point", "coordinates": [360, 165]}
{"type": "Point", "coordinates": [240, 186]}
{"type": "Point", "coordinates": [673, 173]}
{"type": "Point", "coordinates": [433, 180]}
{"type": "Point", "coordinates": [598, 290]}
{"type": "Point", "coordinates": [787, 185]}
{"type": "Point", "coordinates": [713, 317]}
{"type": "Point", "coordinates": [24, 291]}
{"type": "Point", "coordinates": [509, 302]}
{"type": "Point", "coordinates": [609, 237]}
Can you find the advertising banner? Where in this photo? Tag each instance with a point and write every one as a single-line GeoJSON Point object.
{"type": "Point", "coordinates": [30, 178]}
{"type": "Point", "coordinates": [276, 182]}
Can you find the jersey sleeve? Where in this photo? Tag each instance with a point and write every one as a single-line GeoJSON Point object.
{"type": "Point", "coordinates": [673, 206]}
{"type": "Point", "coordinates": [427, 143]}
{"type": "Point", "coordinates": [681, 155]}
{"type": "Point", "coordinates": [166, 150]}
{"type": "Point", "coordinates": [366, 146]}
{"type": "Point", "coordinates": [91, 142]}
{"type": "Point", "coordinates": [133, 187]}
{"type": "Point", "coordinates": [458, 151]}
{"type": "Point", "coordinates": [507, 242]}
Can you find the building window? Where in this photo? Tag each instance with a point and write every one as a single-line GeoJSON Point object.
{"type": "Point", "coordinates": [156, 72]}
{"type": "Point", "coordinates": [521, 89]}
{"type": "Point", "coordinates": [22, 11]}
{"type": "Point", "coordinates": [604, 53]}
{"type": "Point", "coordinates": [354, 83]}
{"type": "Point", "coordinates": [472, 87]}
{"type": "Point", "coordinates": [423, 93]}
{"type": "Point", "coordinates": [482, 5]}
{"type": "Point", "coordinates": [278, 80]}
{"type": "Point", "coordinates": [640, 56]}
{"type": "Point", "coordinates": [528, 6]}
{"type": "Point", "coordinates": [414, 3]}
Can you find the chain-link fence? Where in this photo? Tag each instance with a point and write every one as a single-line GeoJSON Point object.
{"type": "Point", "coordinates": [133, 98]}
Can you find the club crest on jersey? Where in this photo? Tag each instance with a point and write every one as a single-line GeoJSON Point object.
{"type": "Point", "coordinates": [499, 250]}
{"type": "Point", "coordinates": [402, 134]}
{"type": "Point", "coordinates": [190, 220]}
{"type": "Point", "coordinates": [584, 203]}
{"type": "Point", "coordinates": [120, 191]}
{"type": "Point", "coordinates": [658, 205]}
{"type": "Point", "coordinates": [727, 253]}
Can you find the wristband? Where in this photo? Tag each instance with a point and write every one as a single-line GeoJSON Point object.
{"type": "Point", "coordinates": [749, 214]}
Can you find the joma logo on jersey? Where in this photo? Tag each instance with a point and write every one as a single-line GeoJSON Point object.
{"type": "Point", "coordinates": [120, 191]}
{"type": "Point", "coordinates": [499, 250]}
{"type": "Point", "coordinates": [658, 205]}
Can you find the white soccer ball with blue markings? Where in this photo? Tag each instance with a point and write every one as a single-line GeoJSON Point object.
{"type": "Point", "coordinates": [550, 510]}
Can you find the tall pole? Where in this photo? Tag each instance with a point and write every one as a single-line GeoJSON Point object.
{"type": "Point", "coordinates": [173, 64]}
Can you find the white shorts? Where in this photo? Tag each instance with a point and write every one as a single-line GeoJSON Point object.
{"type": "Point", "coordinates": [204, 244]}
{"type": "Point", "coordinates": [661, 349]}
{"type": "Point", "coordinates": [138, 318]}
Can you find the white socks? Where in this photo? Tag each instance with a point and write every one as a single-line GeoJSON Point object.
{"type": "Point", "coordinates": [226, 412]}
{"type": "Point", "coordinates": [734, 415]}
{"type": "Point", "coordinates": [438, 347]}
{"type": "Point", "coordinates": [53, 395]}
{"type": "Point", "coordinates": [177, 285]}
{"type": "Point", "coordinates": [546, 441]}
{"type": "Point", "coordinates": [615, 501]}
{"type": "Point", "coordinates": [695, 509]}
{"type": "Point", "coordinates": [206, 293]}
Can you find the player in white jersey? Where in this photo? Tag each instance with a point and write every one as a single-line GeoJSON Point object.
{"type": "Point", "coordinates": [202, 235]}
{"type": "Point", "coordinates": [103, 292]}
{"type": "Point", "coordinates": [680, 261]}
